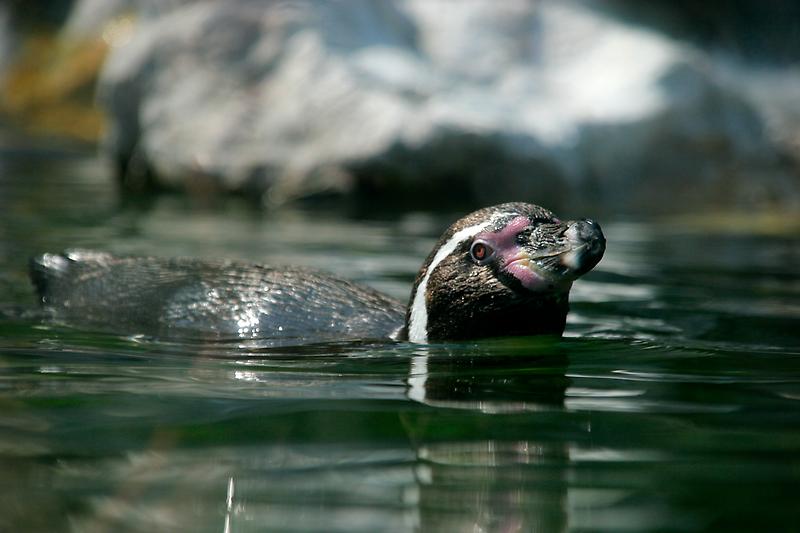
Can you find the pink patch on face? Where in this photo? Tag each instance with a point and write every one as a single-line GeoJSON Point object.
{"type": "Point", "coordinates": [513, 258]}
{"type": "Point", "coordinates": [521, 269]}
{"type": "Point", "coordinates": [506, 237]}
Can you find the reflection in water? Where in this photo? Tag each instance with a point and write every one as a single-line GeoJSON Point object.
{"type": "Point", "coordinates": [492, 486]}
{"type": "Point", "coordinates": [238, 489]}
{"type": "Point", "coordinates": [229, 505]}
{"type": "Point", "coordinates": [490, 480]}
{"type": "Point", "coordinates": [520, 375]}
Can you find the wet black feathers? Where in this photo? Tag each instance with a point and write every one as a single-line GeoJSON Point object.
{"type": "Point", "coordinates": [188, 297]}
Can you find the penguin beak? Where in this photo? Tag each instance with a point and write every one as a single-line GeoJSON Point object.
{"type": "Point", "coordinates": [585, 245]}
{"type": "Point", "coordinates": [556, 254]}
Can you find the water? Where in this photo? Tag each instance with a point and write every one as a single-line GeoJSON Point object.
{"type": "Point", "coordinates": [671, 404]}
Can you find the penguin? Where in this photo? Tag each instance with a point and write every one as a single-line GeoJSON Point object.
{"type": "Point", "coordinates": [504, 270]}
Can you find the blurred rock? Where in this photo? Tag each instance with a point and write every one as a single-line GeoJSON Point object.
{"type": "Point", "coordinates": [90, 18]}
{"type": "Point", "coordinates": [426, 101]}
{"type": "Point", "coordinates": [776, 94]}
{"type": "Point", "coordinates": [47, 82]}
{"type": "Point", "coordinates": [7, 39]}
{"type": "Point", "coordinates": [753, 31]}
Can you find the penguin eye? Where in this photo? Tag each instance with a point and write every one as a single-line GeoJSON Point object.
{"type": "Point", "coordinates": [481, 252]}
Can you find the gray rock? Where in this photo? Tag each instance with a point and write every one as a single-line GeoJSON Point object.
{"type": "Point", "coordinates": [484, 101]}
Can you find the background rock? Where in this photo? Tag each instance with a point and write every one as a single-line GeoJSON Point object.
{"type": "Point", "coordinates": [753, 31]}
{"type": "Point", "coordinates": [47, 80]}
{"type": "Point", "coordinates": [424, 101]}
{"type": "Point", "coordinates": [483, 103]}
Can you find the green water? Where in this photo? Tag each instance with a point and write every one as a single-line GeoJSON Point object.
{"type": "Point", "coordinates": [671, 404]}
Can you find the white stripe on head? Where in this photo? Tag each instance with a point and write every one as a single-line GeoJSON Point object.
{"type": "Point", "coordinates": [418, 320]}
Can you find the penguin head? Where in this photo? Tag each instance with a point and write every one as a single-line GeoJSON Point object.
{"type": "Point", "coordinates": [502, 270]}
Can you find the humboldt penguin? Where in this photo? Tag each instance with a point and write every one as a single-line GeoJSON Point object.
{"type": "Point", "coordinates": [499, 271]}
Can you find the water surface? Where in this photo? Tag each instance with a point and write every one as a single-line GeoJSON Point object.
{"type": "Point", "coordinates": [671, 404]}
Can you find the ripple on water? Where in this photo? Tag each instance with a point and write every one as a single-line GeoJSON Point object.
{"type": "Point", "coordinates": [671, 403]}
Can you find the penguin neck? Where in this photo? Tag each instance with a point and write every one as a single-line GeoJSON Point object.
{"type": "Point", "coordinates": [535, 315]}
{"type": "Point", "coordinates": [544, 314]}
